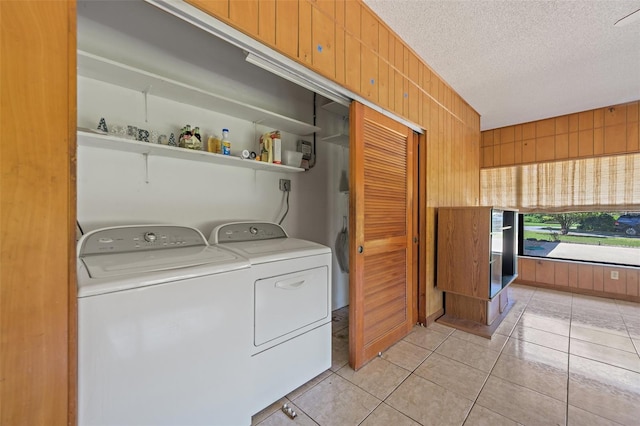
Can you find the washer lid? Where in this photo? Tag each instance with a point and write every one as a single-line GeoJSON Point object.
{"type": "Point", "coordinates": [262, 242]}
{"type": "Point", "coordinates": [277, 249]}
{"type": "Point", "coordinates": [117, 264]}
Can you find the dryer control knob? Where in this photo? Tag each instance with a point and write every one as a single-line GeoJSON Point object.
{"type": "Point", "coordinates": [253, 230]}
{"type": "Point", "coordinates": [150, 237]}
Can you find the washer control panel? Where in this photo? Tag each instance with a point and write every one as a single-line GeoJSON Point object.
{"type": "Point", "coordinates": [247, 231]}
{"type": "Point", "coordinates": [137, 238]}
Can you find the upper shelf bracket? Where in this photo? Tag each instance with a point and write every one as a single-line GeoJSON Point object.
{"type": "Point", "coordinates": [103, 69]}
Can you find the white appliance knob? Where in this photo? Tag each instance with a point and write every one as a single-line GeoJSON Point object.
{"type": "Point", "coordinates": [253, 230]}
{"type": "Point", "coordinates": [150, 237]}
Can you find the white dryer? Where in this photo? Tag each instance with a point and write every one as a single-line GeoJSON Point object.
{"type": "Point", "coordinates": [291, 284]}
{"type": "Point", "coordinates": [164, 329]}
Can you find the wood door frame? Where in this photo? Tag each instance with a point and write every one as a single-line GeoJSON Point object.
{"type": "Point", "coordinates": [420, 194]}
{"type": "Point", "coordinates": [356, 168]}
{"type": "Point", "coordinates": [38, 290]}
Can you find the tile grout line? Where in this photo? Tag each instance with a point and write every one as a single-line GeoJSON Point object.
{"type": "Point", "coordinates": [369, 393]}
{"type": "Point", "coordinates": [597, 361]}
{"type": "Point", "coordinates": [605, 345]}
{"type": "Point", "coordinates": [566, 412]}
{"type": "Point", "coordinates": [573, 305]}
{"type": "Point", "coordinates": [606, 363]}
{"type": "Point", "coordinates": [404, 380]}
{"type": "Point", "coordinates": [382, 401]}
{"type": "Point", "coordinates": [420, 364]}
{"type": "Point", "coordinates": [628, 333]}
{"type": "Point", "coordinates": [475, 401]}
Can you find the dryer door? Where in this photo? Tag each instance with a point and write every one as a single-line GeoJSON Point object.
{"type": "Point", "coordinates": [290, 304]}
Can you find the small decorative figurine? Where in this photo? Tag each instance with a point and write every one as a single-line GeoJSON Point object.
{"type": "Point", "coordinates": [102, 126]}
{"type": "Point", "coordinates": [143, 135]}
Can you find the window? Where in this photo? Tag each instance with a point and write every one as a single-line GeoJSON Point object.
{"type": "Point", "coordinates": [603, 237]}
{"type": "Point", "coordinates": [602, 190]}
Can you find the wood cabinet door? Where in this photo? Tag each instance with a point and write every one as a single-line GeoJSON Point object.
{"type": "Point", "coordinates": [463, 251]}
{"type": "Point", "coordinates": [381, 281]}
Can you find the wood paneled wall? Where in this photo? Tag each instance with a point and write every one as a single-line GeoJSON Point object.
{"type": "Point", "coordinates": [342, 40]}
{"type": "Point", "coordinates": [579, 277]}
{"type": "Point", "coordinates": [611, 130]}
{"type": "Point", "coordinates": [346, 42]}
{"type": "Point", "coordinates": [603, 131]}
{"type": "Point", "coordinates": [37, 228]}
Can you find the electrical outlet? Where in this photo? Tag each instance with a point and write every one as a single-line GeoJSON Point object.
{"type": "Point", "coordinates": [614, 275]}
{"type": "Point", "coordinates": [285, 185]}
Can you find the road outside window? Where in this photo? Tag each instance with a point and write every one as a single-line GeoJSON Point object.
{"type": "Point", "coordinates": [602, 237]}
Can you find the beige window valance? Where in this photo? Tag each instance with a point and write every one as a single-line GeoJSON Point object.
{"type": "Point", "coordinates": [590, 184]}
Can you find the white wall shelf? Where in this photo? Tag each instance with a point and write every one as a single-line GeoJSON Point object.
{"type": "Point", "coordinates": [338, 139]}
{"type": "Point", "coordinates": [336, 108]}
{"type": "Point", "coordinates": [110, 142]}
{"type": "Point", "coordinates": [341, 138]}
{"type": "Point", "coordinates": [108, 71]}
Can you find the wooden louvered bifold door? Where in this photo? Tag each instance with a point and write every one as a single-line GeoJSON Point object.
{"type": "Point", "coordinates": [381, 288]}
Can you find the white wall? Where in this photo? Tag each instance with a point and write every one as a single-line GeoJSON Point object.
{"type": "Point", "coordinates": [112, 185]}
{"type": "Point", "coordinates": [142, 36]}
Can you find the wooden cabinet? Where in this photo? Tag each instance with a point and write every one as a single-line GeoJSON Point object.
{"type": "Point", "coordinates": [594, 279]}
{"type": "Point", "coordinates": [476, 262]}
{"type": "Point", "coordinates": [476, 250]}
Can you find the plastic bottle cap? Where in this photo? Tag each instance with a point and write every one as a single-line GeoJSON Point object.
{"type": "Point", "coordinates": [225, 130]}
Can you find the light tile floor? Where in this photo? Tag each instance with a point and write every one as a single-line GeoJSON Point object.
{"type": "Point", "coordinates": [557, 359]}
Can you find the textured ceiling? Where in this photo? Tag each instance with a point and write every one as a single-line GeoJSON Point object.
{"type": "Point", "coordinates": [519, 61]}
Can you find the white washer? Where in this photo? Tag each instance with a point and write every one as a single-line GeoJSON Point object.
{"type": "Point", "coordinates": [291, 285]}
{"type": "Point", "coordinates": [164, 329]}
